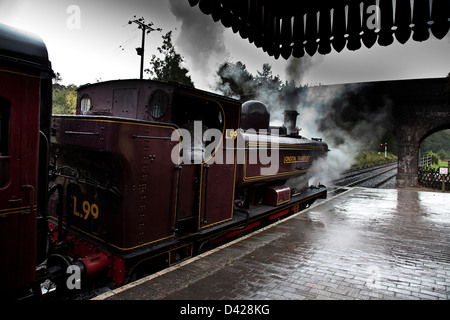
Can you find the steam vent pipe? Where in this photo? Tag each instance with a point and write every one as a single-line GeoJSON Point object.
{"type": "Point", "coordinates": [290, 121]}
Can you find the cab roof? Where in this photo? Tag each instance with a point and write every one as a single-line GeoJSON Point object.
{"type": "Point", "coordinates": [18, 47]}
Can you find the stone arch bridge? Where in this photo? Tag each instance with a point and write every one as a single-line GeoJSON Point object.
{"type": "Point", "coordinates": [410, 109]}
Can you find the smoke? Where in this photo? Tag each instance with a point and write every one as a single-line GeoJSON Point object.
{"type": "Point", "coordinates": [326, 112]}
{"type": "Point", "coordinates": [315, 110]}
{"type": "Point", "coordinates": [319, 110]}
{"type": "Point", "coordinates": [201, 40]}
{"type": "Point", "coordinates": [321, 107]}
{"type": "Point", "coordinates": [297, 68]}
{"type": "Point", "coordinates": [347, 121]}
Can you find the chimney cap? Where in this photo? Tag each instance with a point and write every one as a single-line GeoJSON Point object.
{"type": "Point", "coordinates": [291, 112]}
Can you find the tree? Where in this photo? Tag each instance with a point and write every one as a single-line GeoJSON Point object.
{"type": "Point", "coordinates": [266, 80]}
{"type": "Point", "coordinates": [447, 89]}
{"type": "Point", "coordinates": [58, 78]}
{"type": "Point", "coordinates": [234, 80]}
{"type": "Point", "coordinates": [438, 143]}
{"type": "Point", "coordinates": [169, 68]}
{"type": "Point", "coordinates": [64, 97]}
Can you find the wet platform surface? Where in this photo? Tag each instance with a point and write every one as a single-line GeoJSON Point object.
{"type": "Point", "coordinates": [362, 244]}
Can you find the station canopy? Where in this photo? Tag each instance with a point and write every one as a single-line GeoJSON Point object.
{"type": "Point", "coordinates": [294, 27]}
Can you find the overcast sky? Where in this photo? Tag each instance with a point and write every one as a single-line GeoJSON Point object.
{"type": "Point", "coordinates": [93, 41]}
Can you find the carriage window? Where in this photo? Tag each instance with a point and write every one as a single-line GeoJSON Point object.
{"type": "Point", "coordinates": [5, 110]}
{"type": "Point", "coordinates": [158, 104]}
{"type": "Point", "coordinates": [85, 104]}
{"type": "Point", "coordinates": [186, 108]}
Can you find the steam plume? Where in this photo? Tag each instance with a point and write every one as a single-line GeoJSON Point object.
{"type": "Point", "coordinates": [323, 114]}
{"type": "Point", "coordinates": [201, 40]}
{"type": "Point", "coordinates": [297, 69]}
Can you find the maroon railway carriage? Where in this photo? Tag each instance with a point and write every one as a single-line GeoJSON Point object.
{"type": "Point", "coordinates": [127, 195]}
{"type": "Point", "coordinates": [25, 98]}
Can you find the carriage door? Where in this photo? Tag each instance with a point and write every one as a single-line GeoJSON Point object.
{"type": "Point", "coordinates": [5, 116]}
{"type": "Point", "coordinates": [19, 133]}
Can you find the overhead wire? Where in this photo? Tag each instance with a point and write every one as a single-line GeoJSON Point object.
{"type": "Point", "coordinates": [127, 42]}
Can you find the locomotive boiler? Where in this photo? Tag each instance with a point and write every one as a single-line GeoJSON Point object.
{"type": "Point", "coordinates": [121, 188]}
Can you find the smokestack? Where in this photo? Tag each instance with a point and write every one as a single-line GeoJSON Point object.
{"type": "Point", "coordinates": [290, 121]}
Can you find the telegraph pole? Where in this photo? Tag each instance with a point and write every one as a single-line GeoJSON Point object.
{"type": "Point", "coordinates": [146, 28]}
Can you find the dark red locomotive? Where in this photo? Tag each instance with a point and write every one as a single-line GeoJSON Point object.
{"type": "Point", "coordinates": [121, 187]}
{"type": "Point", "coordinates": [128, 188]}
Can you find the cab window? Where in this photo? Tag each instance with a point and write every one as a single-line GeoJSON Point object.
{"type": "Point", "coordinates": [5, 111]}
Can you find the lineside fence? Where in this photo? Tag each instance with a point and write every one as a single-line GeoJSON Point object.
{"type": "Point", "coordinates": [432, 178]}
{"type": "Point", "coordinates": [426, 161]}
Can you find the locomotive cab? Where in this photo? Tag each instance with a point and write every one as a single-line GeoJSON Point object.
{"type": "Point", "coordinates": [131, 99]}
{"type": "Point", "coordinates": [195, 116]}
{"type": "Point", "coordinates": [125, 180]}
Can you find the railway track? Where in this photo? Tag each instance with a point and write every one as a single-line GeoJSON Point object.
{"type": "Point", "coordinates": [382, 176]}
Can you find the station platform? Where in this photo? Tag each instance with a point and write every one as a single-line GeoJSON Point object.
{"type": "Point", "coordinates": [363, 244]}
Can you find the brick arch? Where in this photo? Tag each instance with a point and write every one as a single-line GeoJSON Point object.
{"type": "Point", "coordinates": [411, 109]}
{"type": "Point", "coordinates": [421, 123]}
{"type": "Point", "coordinates": [444, 126]}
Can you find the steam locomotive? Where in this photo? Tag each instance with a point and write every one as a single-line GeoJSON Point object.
{"type": "Point", "coordinates": [118, 188]}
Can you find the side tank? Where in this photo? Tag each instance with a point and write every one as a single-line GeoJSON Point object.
{"type": "Point", "coordinates": [112, 161]}
{"type": "Point", "coordinates": [274, 155]}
